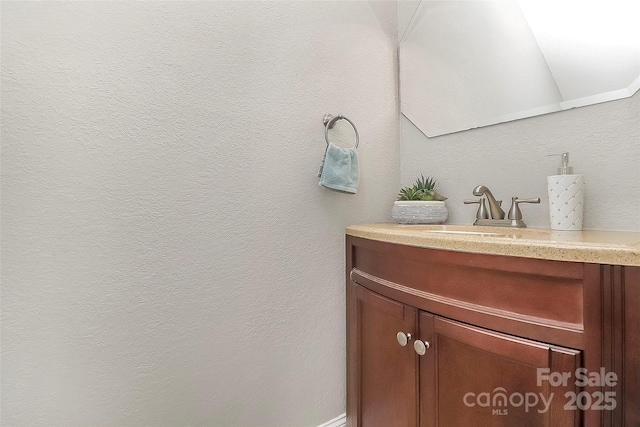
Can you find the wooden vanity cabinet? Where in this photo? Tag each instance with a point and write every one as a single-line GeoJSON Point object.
{"type": "Point", "coordinates": [491, 322]}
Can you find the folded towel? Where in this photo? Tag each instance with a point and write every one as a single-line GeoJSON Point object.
{"type": "Point", "coordinates": [339, 169]}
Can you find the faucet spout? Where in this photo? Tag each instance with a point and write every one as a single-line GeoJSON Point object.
{"type": "Point", "coordinates": [494, 206]}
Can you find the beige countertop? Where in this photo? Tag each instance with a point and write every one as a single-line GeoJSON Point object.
{"type": "Point", "coordinates": [593, 246]}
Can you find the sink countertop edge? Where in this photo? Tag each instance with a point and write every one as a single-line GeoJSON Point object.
{"type": "Point", "coordinates": [589, 246]}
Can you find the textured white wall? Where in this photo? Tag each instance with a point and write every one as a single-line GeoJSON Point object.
{"type": "Point", "coordinates": [603, 141]}
{"type": "Point", "coordinates": [167, 255]}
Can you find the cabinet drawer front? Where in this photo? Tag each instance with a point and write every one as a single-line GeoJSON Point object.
{"type": "Point", "coordinates": [476, 287]}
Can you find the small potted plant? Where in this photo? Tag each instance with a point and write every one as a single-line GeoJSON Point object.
{"type": "Point", "coordinates": [420, 204]}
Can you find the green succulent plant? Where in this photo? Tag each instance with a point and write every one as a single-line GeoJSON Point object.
{"type": "Point", "coordinates": [424, 189]}
{"type": "Point", "coordinates": [410, 193]}
{"type": "Point", "coordinates": [426, 185]}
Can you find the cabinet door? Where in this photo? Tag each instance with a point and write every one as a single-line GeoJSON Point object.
{"type": "Point", "coordinates": [382, 377]}
{"type": "Point", "coordinates": [475, 377]}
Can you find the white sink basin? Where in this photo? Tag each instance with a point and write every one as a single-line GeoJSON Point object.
{"type": "Point", "coordinates": [481, 231]}
{"type": "Point", "coordinates": [468, 233]}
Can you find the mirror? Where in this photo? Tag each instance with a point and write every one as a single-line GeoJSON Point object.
{"type": "Point", "coordinates": [468, 64]}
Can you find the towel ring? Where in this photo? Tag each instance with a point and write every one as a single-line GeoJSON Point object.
{"type": "Point", "coordinates": [329, 120]}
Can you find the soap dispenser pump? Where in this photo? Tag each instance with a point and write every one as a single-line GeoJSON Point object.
{"type": "Point", "coordinates": [564, 169]}
{"type": "Point", "coordinates": [566, 197]}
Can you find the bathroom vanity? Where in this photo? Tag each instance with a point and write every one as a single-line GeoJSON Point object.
{"type": "Point", "coordinates": [476, 326]}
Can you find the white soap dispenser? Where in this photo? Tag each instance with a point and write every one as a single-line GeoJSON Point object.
{"type": "Point", "coordinates": [566, 197]}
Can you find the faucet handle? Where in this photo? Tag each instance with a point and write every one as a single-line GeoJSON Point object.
{"type": "Point", "coordinates": [482, 212]}
{"type": "Point", "coordinates": [514, 211]}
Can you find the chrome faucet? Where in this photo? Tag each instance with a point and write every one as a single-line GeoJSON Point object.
{"type": "Point", "coordinates": [494, 205]}
{"type": "Point", "coordinates": [495, 209]}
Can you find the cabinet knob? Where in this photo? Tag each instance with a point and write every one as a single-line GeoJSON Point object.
{"type": "Point", "coordinates": [421, 347]}
{"type": "Point", "coordinates": [403, 338]}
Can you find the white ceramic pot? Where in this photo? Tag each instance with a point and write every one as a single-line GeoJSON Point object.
{"type": "Point", "coordinates": [419, 212]}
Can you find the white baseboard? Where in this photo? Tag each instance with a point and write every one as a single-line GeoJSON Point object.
{"type": "Point", "coordinates": [340, 421]}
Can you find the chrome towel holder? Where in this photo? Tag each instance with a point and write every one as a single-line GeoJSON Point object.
{"type": "Point", "coordinates": [329, 120]}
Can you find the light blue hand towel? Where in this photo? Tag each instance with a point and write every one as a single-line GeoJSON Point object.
{"type": "Point", "coordinates": [339, 169]}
